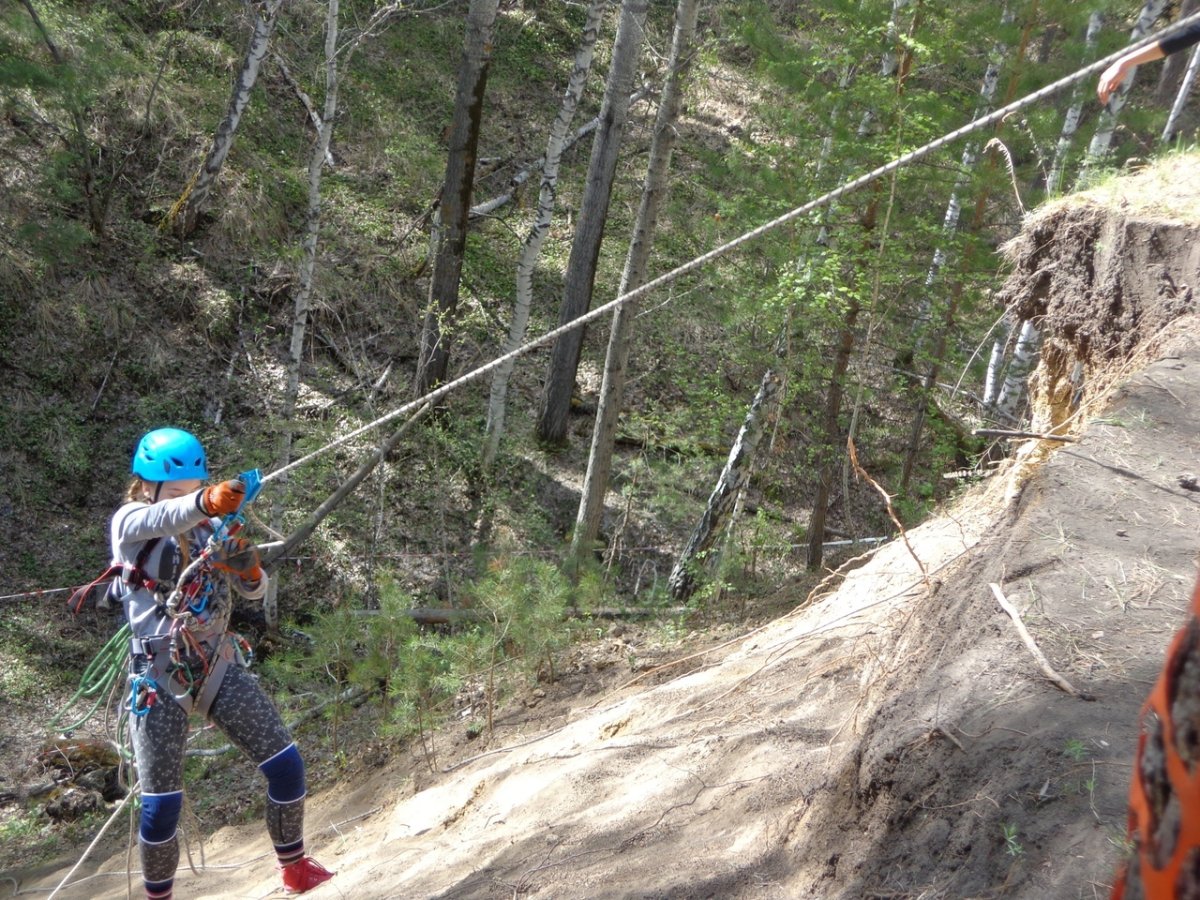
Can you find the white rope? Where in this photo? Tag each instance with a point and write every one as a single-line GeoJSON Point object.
{"type": "Point", "coordinates": [92, 846]}
{"type": "Point", "coordinates": [900, 162]}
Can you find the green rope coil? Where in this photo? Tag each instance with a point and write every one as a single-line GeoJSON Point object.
{"type": "Point", "coordinates": [105, 669]}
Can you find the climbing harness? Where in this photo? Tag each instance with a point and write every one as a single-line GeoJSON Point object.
{"type": "Point", "coordinates": [182, 663]}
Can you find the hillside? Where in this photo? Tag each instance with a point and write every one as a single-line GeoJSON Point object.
{"type": "Point", "coordinates": [892, 737]}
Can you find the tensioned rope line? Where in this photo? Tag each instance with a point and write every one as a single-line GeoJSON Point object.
{"type": "Point", "coordinates": [673, 275]}
{"type": "Point", "coordinates": [900, 162]}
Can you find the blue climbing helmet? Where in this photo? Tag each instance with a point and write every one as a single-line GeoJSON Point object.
{"type": "Point", "coordinates": [169, 454]}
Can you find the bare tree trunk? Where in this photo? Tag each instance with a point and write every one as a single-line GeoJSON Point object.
{"type": "Point", "coordinates": [532, 248]}
{"type": "Point", "coordinates": [1074, 111]}
{"type": "Point", "coordinates": [308, 264]}
{"type": "Point", "coordinates": [1107, 124]}
{"type": "Point", "coordinates": [593, 214]}
{"type": "Point", "coordinates": [184, 213]}
{"type": "Point", "coordinates": [595, 482]}
{"type": "Point", "coordinates": [898, 66]}
{"type": "Point", "coordinates": [1016, 382]}
{"type": "Point", "coordinates": [302, 96]}
{"type": "Point", "coordinates": [987, 93]}
{"type": "Point", "coordinates": [683, 580]}
{"type": "Point", "coordinates": [455, 207]}
{"type": "Point", "coordinates": [992, 380]}
{"type": "Point", "coordinates": [891, 61]}
{"type": "Point", "coordinates": [833, 411]}
{"type": "Point", "coordinates": [927, 385]}
{"type": "Point", "coordinates": [272, 554]}
{"type": "Point", "coordinates": [1185, 90]}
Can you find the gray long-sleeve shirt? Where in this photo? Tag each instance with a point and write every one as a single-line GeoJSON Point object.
{"type": "Point", "coordinates": [171, 520]}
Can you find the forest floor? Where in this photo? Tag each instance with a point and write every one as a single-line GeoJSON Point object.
{"type": "Point", "coordinates": [892, 738]}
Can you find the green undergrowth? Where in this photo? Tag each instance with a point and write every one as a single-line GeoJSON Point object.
{"type": "Point", "coordinates": [515, 625]}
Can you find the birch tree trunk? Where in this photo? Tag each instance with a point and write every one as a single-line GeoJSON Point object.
{"type": "Point", "coordinates": [532, 248]}
{"type": "Point", "coordinates": [1185, 89]}
{"type": "Point", "coordinates": [308, 265]}
{"type": "Point", "coordinates": [684, 576]}
{"type": "Point", "coordinates": [616, 362]}
{"type": "Point", "coordinates": [1107, 124]}
{"type": "Point", "coordinates": [455, 207]}
{"type": "Point", "coordinates": [1074, 111]}
{"type": "Point", "coordinates": [184, 214]}
{"type": "Point", "coordinates": [891, 61]}
{"type": "Point", "coordinates": [593, 214]}
{"type": "Point", "coordinates": [1016, 382]}
{"type": "Point", "coordinates": [992, 380]}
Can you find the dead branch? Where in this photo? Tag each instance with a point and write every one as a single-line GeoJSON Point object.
{"type": "Point", "coordinates": [1038, 656]}
{"type": "Point", "coordinates": [887, 500]}
{"type": "Point", "coordinates": [273, 553]}
{"type": "Point", "coordinates": [1028, 435]}
{"type": "Point", "coordinates": [840, 572]}
{"type": "Point", "coordinates": [517, 181]}
{"type": "Point", "coordinates": [313, 115]}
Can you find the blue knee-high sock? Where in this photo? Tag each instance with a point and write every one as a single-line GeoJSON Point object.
{"type": "Point", "coordinates": [285, 803]}
{"type": "Point", "coordinates": [159, 848]}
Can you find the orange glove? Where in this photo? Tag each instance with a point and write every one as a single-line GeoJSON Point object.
{"type": "Point", "coordinates": [221, 499]}
{"type": "Point", "coordinates": [240, 557]}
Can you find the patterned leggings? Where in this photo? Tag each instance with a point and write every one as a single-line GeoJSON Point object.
{"type": "Point", "coordinates": [246, 715]}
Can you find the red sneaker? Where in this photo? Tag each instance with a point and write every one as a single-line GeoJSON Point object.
{"type": "Point", "coordinates": [304, 875]}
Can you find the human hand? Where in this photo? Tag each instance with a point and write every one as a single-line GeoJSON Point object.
{"type": "Point", "coordinates": [1110, 80]}
{"type": "Point", "coordinates": [221, 499]}
{"type": "Point", "coordinates": [239, 557]}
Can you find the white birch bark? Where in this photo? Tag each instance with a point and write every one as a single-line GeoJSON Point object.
{"type": "Point", "coordinates": [992, 380]}
{"type": "Point", "coordinates": [308, 265]}
{"type": "Point", "coordinates": [1185, 89]}
{"type": "Point", "coordinates": [184, 213]}
{"type": "Point", "coordinates": [580, 279]}
{"type": "Point", "coordinates": [1074, 111]}
{"type": "Point", "coordinates": [1016, 382]}
{"type": "Point", "coordinates": [616, 362]}
{"type": "Point", "coordinates": [1107, 124]}
{"type": "Point", "coordinates": [683, 580]}
{"type": "Point", "coordinates": [532, 247]}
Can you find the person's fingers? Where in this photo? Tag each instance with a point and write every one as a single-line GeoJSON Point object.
{"type": "Point", "coordinates": [222, 499]}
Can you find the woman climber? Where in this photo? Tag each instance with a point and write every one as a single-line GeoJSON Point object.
{"type": "Point", "coordinates": [183, 658]}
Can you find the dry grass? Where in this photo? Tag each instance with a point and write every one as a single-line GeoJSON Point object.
{"type": "Point", "coordinates": [1167, 188]}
